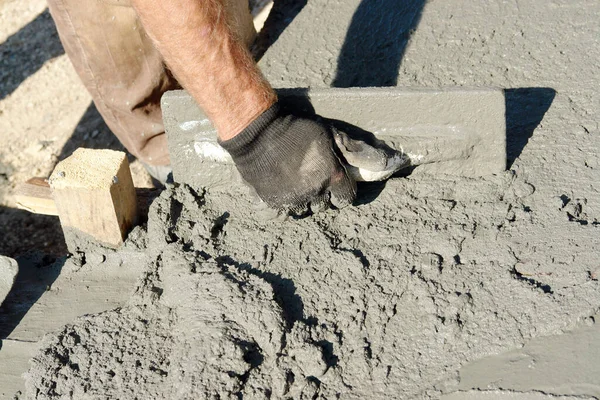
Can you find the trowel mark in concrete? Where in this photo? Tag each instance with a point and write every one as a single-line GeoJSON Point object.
{"type": "Point", "coordinates": [509, 395]}
{"type": "Point", "coordinates": [563, 365]}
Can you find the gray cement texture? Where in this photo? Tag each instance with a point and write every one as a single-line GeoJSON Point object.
{"type": "Point", "coordinates": [49, 293]}
{"type": "Point", "coordinates": [457, 131]}
{"type": "Point", "coordinates": [429, 287]}
{"type": "Point", "coordinates": [374, 301]}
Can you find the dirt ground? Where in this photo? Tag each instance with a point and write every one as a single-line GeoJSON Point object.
{"type": "Point", "coordinates": [45, 113]}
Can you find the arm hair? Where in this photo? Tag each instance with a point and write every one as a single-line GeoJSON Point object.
{"type": "Point", "coordinates": [209, 59]}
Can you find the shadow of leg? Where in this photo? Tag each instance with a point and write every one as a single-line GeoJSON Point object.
{"type": "Point", "coordinates": [281, 15]}
{"type": "Point", "coordinates": [23, 53]}
{"type": "Point", "coordinates": [525, 109]}
{"type": "Point", "coordinates": [92, 133]}
{"type": "Point", "coordinates": [376, 41]}
{"type": "Point", "coordinates": [21, 231]}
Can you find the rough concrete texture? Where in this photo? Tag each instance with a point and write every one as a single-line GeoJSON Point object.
{"type": "Point", "coordinates": [458, 131]}
{"type": "Point", "coordinates": [8, 273]}
{"type": "Point", "coordinates": [49, 292]}
{"type": "Point", "coordinates": [376, 301]}
{"type": "Point", "coordinates": [392, 297]}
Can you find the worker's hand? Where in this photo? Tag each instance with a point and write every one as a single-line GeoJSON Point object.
{"type": "Point", "coordinates": [291, 162]}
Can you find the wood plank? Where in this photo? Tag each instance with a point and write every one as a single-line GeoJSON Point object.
{"type": "Point", "coordinates": [35, 196]}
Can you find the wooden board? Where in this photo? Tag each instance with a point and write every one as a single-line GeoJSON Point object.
{"type": "Point", "coordinates": [35, 196]}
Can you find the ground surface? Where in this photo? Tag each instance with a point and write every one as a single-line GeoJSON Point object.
{"type": "Point", "coordinates": [432, 287]}
{"type": "Point", "coordinates": [45, 114]}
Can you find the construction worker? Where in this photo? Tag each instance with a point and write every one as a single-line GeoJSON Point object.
{"type": "Point", "coordinates": [129, 52]}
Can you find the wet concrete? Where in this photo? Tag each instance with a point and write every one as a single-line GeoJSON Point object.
{"type": "Point", "coordinates": [561, 365]}
{"type": "Point", "coordinates": [430, 286]}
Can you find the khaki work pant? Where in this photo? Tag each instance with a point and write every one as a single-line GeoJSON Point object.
{"type": "Point", "coordinates": [122, 70]}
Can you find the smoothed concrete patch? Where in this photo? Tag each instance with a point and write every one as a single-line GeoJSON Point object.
{"type": "Point", "coordinates": [14, 361]}
{"type": "Point", "coordinates": [567, 364]}
{"type": "Point", "coordinates": [508, 395]}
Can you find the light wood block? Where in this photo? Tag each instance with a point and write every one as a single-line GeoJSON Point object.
{"type": "Point", "coordinates": [94, 195]}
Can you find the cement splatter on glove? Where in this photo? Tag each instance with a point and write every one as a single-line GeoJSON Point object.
{"type": "Point", "coordinates": [291, 162]}
{"type": "Point", "coordinates": [368, 158]}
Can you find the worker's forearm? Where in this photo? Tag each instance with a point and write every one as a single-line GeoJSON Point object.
{"type": "Point", "coordinates": [208, 59]}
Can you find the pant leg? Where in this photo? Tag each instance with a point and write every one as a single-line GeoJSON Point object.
{"type": "Point", "coordinates": [122, 70]}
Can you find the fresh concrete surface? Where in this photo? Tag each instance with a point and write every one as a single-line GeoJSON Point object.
{"type": "Point", "coordinates": [463, 128]}
{"type": "Point", "coordinates": [550, 49]}
{"type": "Point", "coordinates": [442, 271]}
{"type": "Point", "coordinates": [509, 395]}
{"type": "Point", "coordinates": [59, 292]}
{"type": "Point", "coordinates": [14, 361]}
{"type": "Point", "coordinates": [347, 43]}
{"type": "Point", "coordinates": [48, 294]}
{"type": "Point", "coordinates": [545, 53]}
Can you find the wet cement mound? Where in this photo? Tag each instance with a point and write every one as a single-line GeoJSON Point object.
{"type": "Point", "coordinates": [383, 300]}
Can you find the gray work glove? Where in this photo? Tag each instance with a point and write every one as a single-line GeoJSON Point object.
{"type": "Point", "coordinates": [291, 162]}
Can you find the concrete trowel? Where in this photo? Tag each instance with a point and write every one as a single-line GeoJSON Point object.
{"type": "Point", "coordinates": [456, 131]}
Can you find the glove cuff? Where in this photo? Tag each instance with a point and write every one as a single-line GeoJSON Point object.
{"type": "Point", "coordinates": [243, 141]}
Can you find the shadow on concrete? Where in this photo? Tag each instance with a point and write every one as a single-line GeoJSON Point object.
{"type": "Point", "coordinates": [376, 41]}
{"type": "Point", "coordinates": [280, 17]}
{"type": "Point", "coordinates": [284, 289]}
{"type": "Point", "coordinates": [525, 109]}
{"type": "Point", "coordinates": [24, 53]}
{"type": "Point", "coordinates": [368, 192]}
{"type": "Point", "coordinates": [37, 272]}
